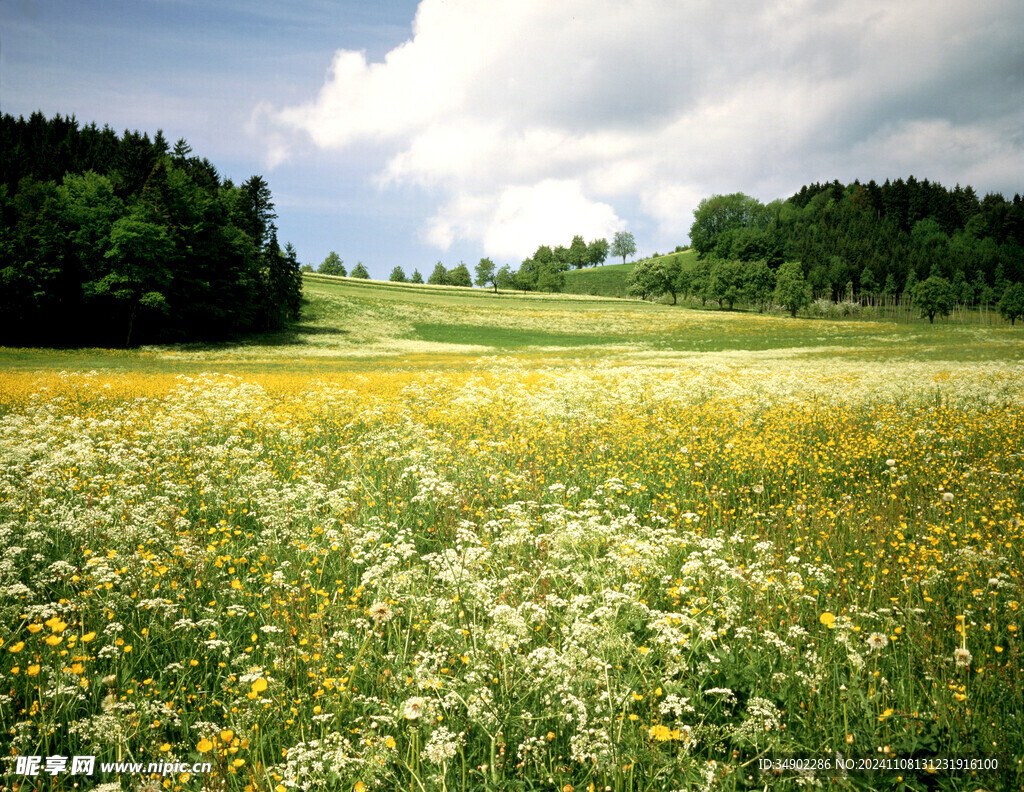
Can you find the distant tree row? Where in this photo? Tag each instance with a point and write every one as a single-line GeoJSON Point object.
{"type": "Point", "coordinates": [333, 265]}
{"type": "Point", "coordinates": [544, 270]}
{"type": "Point", "coordinates": [877, 239]}
{"type": "Point", "coordinates": [729, 281]}
{"type": "Point", "coordinates": [118, 240]}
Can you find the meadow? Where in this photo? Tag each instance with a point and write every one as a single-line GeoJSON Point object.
{"type": "Point", "coordinates": [439, 539]}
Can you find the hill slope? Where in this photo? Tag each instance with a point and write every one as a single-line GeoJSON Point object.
{"type": "Point", "coordinates": [610, 281]}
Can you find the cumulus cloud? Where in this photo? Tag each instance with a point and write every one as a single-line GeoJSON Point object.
{"type": "Point", "coordinates": [532, 121]}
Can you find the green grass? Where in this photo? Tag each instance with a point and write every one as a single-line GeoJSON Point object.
{"type": "Point", "coordinates": [605, 281]}
{"type": "Point", "coordinates": [349, 324]}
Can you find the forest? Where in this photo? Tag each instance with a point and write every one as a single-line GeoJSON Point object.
{"type": "Point", "coordinates": [112, 240]}
{"type": "Point", "coordinates": [874, 239]}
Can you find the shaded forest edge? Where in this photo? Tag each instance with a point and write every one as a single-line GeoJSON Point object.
{"type": "Point", "coordinates": [111, 240]}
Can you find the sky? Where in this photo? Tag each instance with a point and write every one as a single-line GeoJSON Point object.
{"type": "Point", "coordinates": [400, 133]}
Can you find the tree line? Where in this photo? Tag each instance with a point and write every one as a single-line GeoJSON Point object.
{"type": "Point", "coordinates": [118, 240]}
{"type": "Point", "coordinates": [543, 271]}
{"type": "Point", "coordinates": [855, 241]}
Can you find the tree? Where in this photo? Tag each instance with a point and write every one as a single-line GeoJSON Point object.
{"type": "Point", "coordinates": [459, 276]}
{"type": "Point", "coordinates": [719, 214]}
{"type": "Point", "coordinates": [439, 277]}
{"type": "Point", "coordinates": [791, 290]}
{"type": "Point", "coordinates": [258, 211]}
{"type": "Point", "coordinates": [332, 265]}
{"type": "Point", "coordinates": [397, 275]}
{"type": "Point", "coordinates": [700, 277]}
{"type": "Point", "coordinates": [577, 253]}
{"type": "Point", "coordinates": [359, 271]}
{"type": "Point", "coordinates": [505, 278]}
{"type": "Point", "coordinates": [653, 277]}
{"type": "Point", "coordinates": [868, 284]}
{"type": "Point", "coordinates": [486, 274]}
{"type": "Point", "coordinates": [934, 296]}
{"type": "Point", "coordinates": [597, 252]}
{"type": "Point", "coordinates": [726, 282]}
{"type": "Point", "coordinates": [1011, 304]}
{"type": "Point", "coordinates": [139, 273]}
{"type": "Point", "coordinates": [416, 277]}
{"type": "Point", "coordinates": [550, 278]}
{"type": "Point", "coordinates": [758, 284]}
{"type": "Point", "coordinates": [623, 245]}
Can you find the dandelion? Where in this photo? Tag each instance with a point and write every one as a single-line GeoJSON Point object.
{"type": "Point", "coordinates": [414, 707]}
{"type": "Point", "coordinates": [890, 462]}
{"type": "Point", "coordinates": [828, 619]}
{"type": "Point", "coordinates": [381, 612]}
{"type": "Point", "coordinates": [660, 733]}
{"type": "Point", "coordinates": [947, 497]}
{"type": "Point", "coordinates": [962, 657]}
{"type": "Point", "coordinates": [758, 489]}
{"type": "Point", "coordinates": [877, 641]}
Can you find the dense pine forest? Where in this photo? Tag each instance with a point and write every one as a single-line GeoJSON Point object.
{"type": "Point", "coordinates": [120, 240]}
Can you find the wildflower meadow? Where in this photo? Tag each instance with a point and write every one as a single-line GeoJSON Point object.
{"type": "Point", "coordinates": [516, 572]}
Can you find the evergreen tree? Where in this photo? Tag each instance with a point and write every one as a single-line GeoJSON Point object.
{"type": "Point", "coordinates": [359, 271]}
{"type": "Point", "coordinates": [332, 265]}
{"type": "Point", "coordinates": [416, 277]}
{"type": "Point", "coordinates": [439, 277]}
{"type": "Point", "coordinates": [578, 253]}
{"type": "Point", "coordinates": [397, 275]}
{"type": "Point", "coordinates": [459, 276]}
{"type": "Point", "coordinates": [597, 252]}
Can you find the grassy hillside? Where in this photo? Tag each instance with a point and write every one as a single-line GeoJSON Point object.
{"type": "Point", "coordinates": [610, 280]}
{"type": "Point", "coordinates": [356, 324]}
{"type": "Point", "coordinates": [606, 281]}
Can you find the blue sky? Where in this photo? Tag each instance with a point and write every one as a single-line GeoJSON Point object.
{"type": "Point", "coordinates": [402, 133]}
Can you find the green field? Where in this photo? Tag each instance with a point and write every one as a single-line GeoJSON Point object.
{"type": "Point", "coordinates": [435, 538]}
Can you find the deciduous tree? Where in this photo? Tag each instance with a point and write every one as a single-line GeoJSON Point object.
{"type": "Point", "coordinates": [791, 290]}
{"type": "Point", "coordinates": [623, 245]}
{"type": "Point", "coordinates": [1011, 304]}
{"type": "Point", "coordinates": [486, 274]}
{"type": "Point", "coordinates": [934, 297]}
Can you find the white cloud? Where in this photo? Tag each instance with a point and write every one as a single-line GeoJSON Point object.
{"type": "Point", "coordinates": [519, 219]}
{"type": "Point", "coordinates": [531, 120]}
